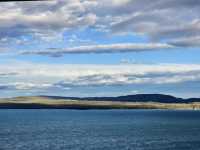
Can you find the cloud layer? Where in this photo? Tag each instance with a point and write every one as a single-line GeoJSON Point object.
{"type": "Point", "coordinates": [35, 76]}
{"type": "Point", "coordinates": [46, 20]}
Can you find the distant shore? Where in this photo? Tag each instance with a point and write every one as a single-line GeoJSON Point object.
{"type": "Point", "coordinates": [47, 103]}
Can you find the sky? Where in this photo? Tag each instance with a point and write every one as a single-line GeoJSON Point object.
{"type": "Point", "coordinates": [100, 48]}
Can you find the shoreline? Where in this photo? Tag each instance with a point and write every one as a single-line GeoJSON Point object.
{"type": "Point", "coordinates": [46, 103]}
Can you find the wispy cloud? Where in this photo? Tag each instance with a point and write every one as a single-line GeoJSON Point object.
{"type": "Point", "coordinates": [112, 48]}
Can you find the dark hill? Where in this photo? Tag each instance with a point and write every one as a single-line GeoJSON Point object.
{"type": "Point", "coordinates": [161, 98]}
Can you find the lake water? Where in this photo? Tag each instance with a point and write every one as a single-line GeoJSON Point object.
{"type": "Point", "coordinates": [99, 130]}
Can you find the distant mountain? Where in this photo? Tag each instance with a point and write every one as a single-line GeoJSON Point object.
{"type": "Point", "coordinates": [161, 98]}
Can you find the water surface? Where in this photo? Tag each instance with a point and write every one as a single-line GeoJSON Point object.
{"type": "Point", "coordinates": [99, 130]}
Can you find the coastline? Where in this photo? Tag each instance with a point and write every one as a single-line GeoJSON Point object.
{"type": "Point", "coordinates": [46, 103]}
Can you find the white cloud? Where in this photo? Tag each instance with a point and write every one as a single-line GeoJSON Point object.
{"type": "Point", "coordinates": [120, 2]}
{"type": "Point", "coordinates": [29, 86]}
{"type": "Point", "coordinates": [43, 19]}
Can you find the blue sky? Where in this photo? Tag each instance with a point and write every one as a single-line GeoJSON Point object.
{"type": "Point", "coordinates": [100, 48]}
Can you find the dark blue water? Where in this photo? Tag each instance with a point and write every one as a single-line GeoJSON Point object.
{"type": "Point", "coordinates": [99, 130]}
